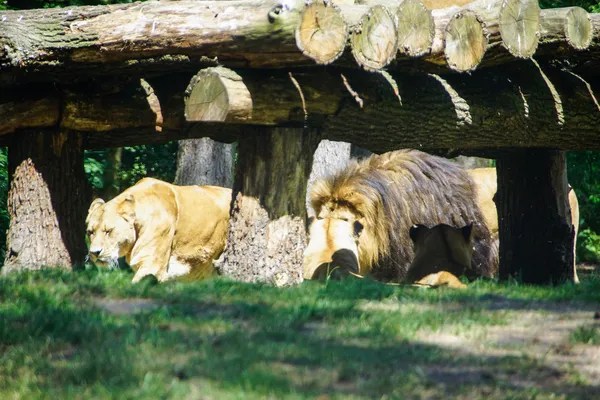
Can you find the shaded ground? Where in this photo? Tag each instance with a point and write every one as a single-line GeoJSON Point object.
{"type": "Point", "coordinates": [94, 334]}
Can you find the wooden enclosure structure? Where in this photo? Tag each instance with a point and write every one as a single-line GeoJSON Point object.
{"type": "Point", "coordinates": [495, 78]}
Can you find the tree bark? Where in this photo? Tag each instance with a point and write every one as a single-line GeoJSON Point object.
{"type": "Point", "coordinates": [534, 217]}
{"type": "Point", "coordinates": [267, 230]}
{"type": "Point", "coordinates": [47, 202]}
{"type": "Point", "coordinates": [97, 41]}
{"type": "Point", "coordinates": [204, 162]}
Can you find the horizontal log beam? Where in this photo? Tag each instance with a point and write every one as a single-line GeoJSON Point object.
{"type": "Point", "coordinates": [491, 109]}
{"type": "Point", "coordinates": [142, 38]}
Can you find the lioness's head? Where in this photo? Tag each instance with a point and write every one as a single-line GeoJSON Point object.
{"type": "Point", "coordinates": [440, 248]}
{"type": "Point", "coordinates": [332, 248]}
{"type": "Point", "coordinates": [110, 230]}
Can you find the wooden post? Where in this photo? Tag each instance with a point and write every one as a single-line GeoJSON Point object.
{"type": "Point", "coordinates": [416, 28]}
{"type": "Point", "coordinates": [520, 26]}
{"type": "Point", "coordinates": [534, 217]}
{"type": "Point", "coordinates": [267, 232]}
{"type": "Point", "coordinates": [47, 201]}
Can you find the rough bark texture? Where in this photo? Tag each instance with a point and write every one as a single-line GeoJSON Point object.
{"type": "Point", "coordinates": [47, 202]}
{"type": "Point", "coordinates": [110, 175]}
{"type": "Point", "coordinates": [267, 232]}
{"type": "Point", "coordinates": [204, 162]}
{"type": "Point", "coordinates": [329, 158]}
{"type": "Point", "coordinates": [153, 36]}
{"type": "Point", "coordinates": [535, 231]}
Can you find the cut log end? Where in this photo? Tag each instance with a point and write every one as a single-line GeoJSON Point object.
{"type": "Point", "coordinates": [322, 32]}
{"type": "Point", "coordinates": [520, 26]}
{"type": "Point", "coordinates": [416, 28]}
{"type": "Point", "coordinates": [578, 28]}
{"type": "Point", "coordinates": [375, 40]}
{"type": "Point", "coordinates": [466, 41]}
{"type": "Point", "coordinates": [217, 94]}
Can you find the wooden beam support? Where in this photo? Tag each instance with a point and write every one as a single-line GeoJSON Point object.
{"type": "Point", "coordinates": [267, 228]}
{"type": "Point", "coordinates": [498, 108]}
{"type": "Point", "coordinates": [534, 217]}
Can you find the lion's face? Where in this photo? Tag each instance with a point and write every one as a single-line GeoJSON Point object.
{"type": "Point", "coordinates": [332, 248]}
{"type": "Point", "coordinates": [110, 231]}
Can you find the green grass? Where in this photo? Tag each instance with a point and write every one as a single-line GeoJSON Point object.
{"type": "Point", "coordinates": [586, 335]}
{"type": "Point", "coordinates": [224, 339]}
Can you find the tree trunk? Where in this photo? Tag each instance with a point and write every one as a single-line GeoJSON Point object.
{"type": "Point", "coordinates": [47, 202]}
{"type": "Point", "coordinates": [110, 175]}
{"type": "Point", "coordinates": [267, 228]}
{"type": "Point", "coordinates": [204, 162]}
{"type": "Point", "coordinates": [534, 217]}
{"type": "Point", "coordinates": [329, 158]}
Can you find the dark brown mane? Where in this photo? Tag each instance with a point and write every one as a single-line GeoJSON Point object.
{"type": "Point", "coordinates": [391, 192]}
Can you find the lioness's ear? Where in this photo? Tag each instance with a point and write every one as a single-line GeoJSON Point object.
{"type": "Point", "coordinates": [414, 231]}
{"type": "Point", "coordinates": [358, 228]}
{"type": "Point", "coordinates": [127, 207]}
{"type": "Point", "coordinates": [466, 231]}
{"type": "Point", "coordinates": [94, 206]}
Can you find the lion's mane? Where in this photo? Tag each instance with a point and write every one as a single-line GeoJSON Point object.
{"type": "Point", "coordinates": [389, 193]}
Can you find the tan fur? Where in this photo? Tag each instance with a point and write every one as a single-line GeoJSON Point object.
{"type": "Point", "coordinates": [487, 184]}
{"type": "Point", "coordinates": [387, 194]}
{"type": "Point", "coordinates": [442, 253]}
{"type": "Point", "coordinates": [171, 232]}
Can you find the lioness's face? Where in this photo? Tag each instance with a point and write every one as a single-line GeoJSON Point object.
{"type": "Point", "coordinates": [332, 248]}
{"type": "Point", "coordinates": [110, 232]}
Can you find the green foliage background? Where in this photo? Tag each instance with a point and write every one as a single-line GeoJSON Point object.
{"type": "Point", "coordinates": [159, 160]}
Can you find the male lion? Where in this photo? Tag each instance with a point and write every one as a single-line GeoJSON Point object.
{"type": "Point", "coordinates": [486, 183]}
{"type": "Point", "coordinates": [364, 214]}
{"type": "Point", "coordinates": [171, 232]}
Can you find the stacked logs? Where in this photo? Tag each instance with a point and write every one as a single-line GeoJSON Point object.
{"type": "Point", "coordinates": [460, 36]}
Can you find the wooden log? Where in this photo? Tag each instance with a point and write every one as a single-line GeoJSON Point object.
{"type": "Point", "coordinates": [520, 26]}
{"type": "Point", "coordinates": [217, 94]}
{"type": "Point", "coordinates": [85, 42]}
{"type": "Point", "coordinates": [466, 41]}
{"type": "Point", "coordinates": [47, 202]}
{"type": "Point", "coordinates": [322, 32]}
{"type": "Point", "coordinates": [534, 217]}
{"type": "Point", "coordinates": [570, 23]}
{"type": "Point", "coordinates": [375, 39]}
{"type": "Point", "coordinates": [509, 106]}
{"type": "Point", "coordinates": [28, 109]}
{"type": "Point", "coordinates": [416, 28]}
{"type": "Point", "coordinates": [267, 232]}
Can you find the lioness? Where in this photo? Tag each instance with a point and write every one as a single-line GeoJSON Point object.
{"type": "Point", "coordinates": [486, 184]}
{"type": "Point", "coordinates": [442, 253]}
{"type": "Point", "coordinates": [171, 232]}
